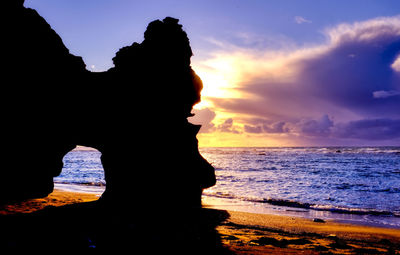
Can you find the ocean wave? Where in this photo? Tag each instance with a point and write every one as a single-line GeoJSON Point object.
{"type": "Point", "coordinates": [309, 206]}
{"type": "Point", "coordinates": [393, 190]}
{"type": "Point", "coordinates": [324, 150]}
{"type": "Point", "coordinates": [97, 184]}
{"type": "Point", "coordinates": [357, 211]}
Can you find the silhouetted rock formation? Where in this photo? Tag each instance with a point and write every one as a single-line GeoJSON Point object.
{"type": "Point", "coordinates": [132, 114]}
{"type": "Point", "coordinates": [154, 82]}
{"type": "Point", "coordinates": [38, 74]}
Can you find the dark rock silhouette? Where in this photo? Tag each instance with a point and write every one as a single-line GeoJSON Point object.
{"type": "Point", "coordinates": [150, 143]}
{"type": "Point", "coordinates": [39, 75]}
{"type": "Point", "coordinates": [132, 114]}
{"type": "Point", "coordinates": [83, 227]}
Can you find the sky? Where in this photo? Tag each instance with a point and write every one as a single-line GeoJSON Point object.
{"type": "Point", "coordinates": [275, 73]}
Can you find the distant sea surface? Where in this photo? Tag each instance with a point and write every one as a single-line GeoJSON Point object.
{"type": "Point", "coordinates": [353, 184]}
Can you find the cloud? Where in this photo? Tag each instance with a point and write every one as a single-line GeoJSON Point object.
{"type": "Point", "coordinates": [253, 129]}
{"type": "Point", "coordinates": [279, 127]}
{"type": "Point", "coordinates": [350, 80]}
{"type": "Point", "coordinates": [301, 20]}
{"type": "Point", "coordinates": [369, 129]}
{"type": "Point", "coordinates": [396, 64]}
{"type": "Point", "coordinates": [324, 127]}
{"type": "Point", "coordinates": [276, 128]}
{"type": "Point", "coordinates": [204, 117]}
{"type": "Point", "coordinates": [319, 127]}
{"type": "Point", "coordinates": [382, 28]}
{"type": "Point", "coordinates": [228, 127]}
{"type": "Point", "coordinates": [385, 94]}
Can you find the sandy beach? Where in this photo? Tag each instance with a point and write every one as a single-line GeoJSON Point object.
{"type": "Point", "coordinates": [247, 233]}
{"type": "Point", "coordinates": [57, 198]}
{"type": "Point", "coordinates": [73, 220]}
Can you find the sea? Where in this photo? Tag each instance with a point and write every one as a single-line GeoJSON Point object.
{"type": "Point", "coordinates": [359, 185]}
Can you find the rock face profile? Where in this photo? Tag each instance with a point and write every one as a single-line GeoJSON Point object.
{"type": "Point", "coordinates": [131, 113]}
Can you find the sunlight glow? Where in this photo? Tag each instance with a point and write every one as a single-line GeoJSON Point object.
{"type": "Point", "coordinates": [220, 76]}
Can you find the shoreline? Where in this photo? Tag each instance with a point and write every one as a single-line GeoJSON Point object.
{"type": "Point", "coordinates": [369, 220]}
{"type": "Point", "coordinates": [272, 231]}
{"type": "Point", "coordinates": [244, 232]}
{"type": "Point", "coordinates": [265, 208]}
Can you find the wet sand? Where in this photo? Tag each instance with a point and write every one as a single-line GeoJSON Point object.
{"type": "Point", "coordinates": [57, 198]}
{"type": "Point", "coordinates": [247, 233]}
{"type": "Point", "coordinates": [74, 219]}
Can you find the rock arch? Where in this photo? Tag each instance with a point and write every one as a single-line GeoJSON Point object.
{"type": "Point", "coordinates": [127, 113]}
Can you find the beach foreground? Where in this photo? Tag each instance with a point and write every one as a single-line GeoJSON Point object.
{"type": "Point", "coordinates": [247, 233]}
{"type": "Point", "coordinates": [70, 220]}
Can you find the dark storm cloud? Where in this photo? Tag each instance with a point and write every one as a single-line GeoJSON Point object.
{"type": "Point", "coordinates": [374, 129]}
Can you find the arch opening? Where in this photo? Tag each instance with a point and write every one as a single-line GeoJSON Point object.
{"type": "Point", "coordinates": [82, 171]}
